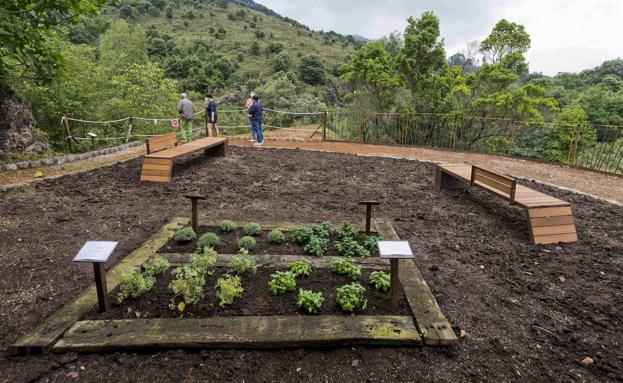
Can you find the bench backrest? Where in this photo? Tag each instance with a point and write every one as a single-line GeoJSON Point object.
{"type": "Point", "coordinates": [495, 181]}
{"type": "Point", "coordinates": [161, 142]}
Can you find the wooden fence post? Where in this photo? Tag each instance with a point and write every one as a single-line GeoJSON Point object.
{"type": "Point", "coordinates": [68, 133]}
{"type": "Point", "coordinates": [324, 126]}
{"type": "Point", "coordinates": [127, 138]}
{"type": "Point", "coordinates": [574, 146]}
{"type": "Point", "coordinates": [511, 137]}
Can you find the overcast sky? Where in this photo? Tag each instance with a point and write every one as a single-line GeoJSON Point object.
{"type": "Point", "coordinates": [567, 35]}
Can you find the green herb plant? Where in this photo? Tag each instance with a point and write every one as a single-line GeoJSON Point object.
{"type": "Point", "coordinates": [242, 262]}
{"type": "Point", "coordinates": [276, 236]}
{"type": "Point", "coordinates": [133, 284]}
{"type": "Point", "coordinates": [349, 247]}
{"type": "Point", "coordinates": [188, 284]}
{"type": "Point", "coordinates": [301, 235]}
{"type": "Point", "coordinates": [207, 240]}
{"type": "Point", "coordinates": [309, 301]}
{"type": "Point", "coordinates": [204, 260]}
{"type": "Point", "coordinates": [184, 235]}
{"type": "Point", "coordinates": [380, 280]}
{"type": "Point", "coordinates": [247, 243]}
{"type": "Point", "coordinates": [345, 266]}
{"type": "Point", "coordinates": [252, 228]}
{"type": "Point", "coordinates": [316, 246]}
{"type": "Point", "coordinates": [156, 266]}
{"type": "Point", "coordinates": [300, 268]}
{"type": "Point", "coordinates": [322, 230]}
{"type": "Point", "coordinates": [227, 226]}
{"type": "Point", "coordinates": [350, 297]}
{"type": "Point", "coordinates": [229, 287]}
{"type": "Point", "coordinates": [370, 242]}
{"type": "Point", "coordinates": [281, 282]}
{"type": "Point", "coordinates": [348, 230]}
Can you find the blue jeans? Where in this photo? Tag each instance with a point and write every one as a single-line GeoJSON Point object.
{"type": "Point", "coordinates": [257, 129]}
{"type": "Point", "coordinates": [253, 135]}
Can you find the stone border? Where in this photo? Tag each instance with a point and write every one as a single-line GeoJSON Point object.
{"type": "Point", "coordinates": [68, 158]}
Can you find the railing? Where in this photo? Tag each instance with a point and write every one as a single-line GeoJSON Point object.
{"type": "Point", "coordinates": [596, 147]}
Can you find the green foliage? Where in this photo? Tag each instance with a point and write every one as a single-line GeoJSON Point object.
{"type": "Point", "coordinates": [301, 235]}
{"type": "Point", "coordinates": [350, 297]}
{"type": "Point", "coordinates": [345, 266]}
{"type": "Point", "coordinates": [247, 243]}
{"type": "Point", "coordinates": [252, 228]}
{"type": "Point", "coordinates": [316, 246]}
{"type": "Point", "coordinates": [184, 235]}
{"type": "Point", "coordinates": [505, 38]}
{"type": "Point", "coordinates": [156, 265]}
{"type": "Point", "coordinates": [322, 230]}
{"type": "Point", "coordinates": [282, 62]}
{"type": "Point", "coordinates": [300, 268]}
{"type": "Point", "coordinates": [242, 262]}
{"type": "Point", "coordinates": [204, 260]}
{"type": "Point", "coordinates": [561, 134]}
{"type": "Point", "coordinates": [370, 242]}
{"type": "Point", "coordinates": [227, 226]}
{"type": "Point", "coordinates": [281, 282]}
{"type": "Point", "coordinates": [133, 284]}
{"type": "Point", "coordinates": [380, 280]}
{"type": "Point", "coordinates": [349, 247]}
{"type": "Point", "coordinates": [312, 70]}
{"type": "Point", "coordinates": [229, 288]}
{"type": "Point", "coordinates": [310, 301]}
{"type": "Point", "coordinates": [188, 284]}
{"type": "Point", "coordinates": [276, 236]}
{"type": "Point", "coordinates": [348, 230]}
{"type": "Point", "coordinates": [122, 46]}
{"type": "Point", "coordinates": [207, 240]}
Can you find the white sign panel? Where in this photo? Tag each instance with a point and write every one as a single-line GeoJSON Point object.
{"type": "Point", "coordinates": [95, 251]}
{"type": "Point", "coordinates": [395, 249]}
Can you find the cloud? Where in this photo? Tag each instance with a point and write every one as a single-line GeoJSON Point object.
{"type": "Point", "coordinates": [567, 35]}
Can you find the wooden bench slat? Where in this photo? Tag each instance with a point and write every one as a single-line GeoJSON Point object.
{"type": "Point", "coordinates": [156, 161]}
{"type": "Point", "coordinates": [156, 178]}
{"type": "Point", "coordinates": [549, 212]}
{"type": "Point", "coordinates": [549, 239]}
{"type": "Point", "coordinates": [552, 221]}
{"type": "Point", "coordinates": [550, 230]}
{"type": "Point", "coordinates": [496, 177]}
{"type": "Point", "coordinates": [493, 183]}
{"type": "Point", "coordinates": [147, 166]}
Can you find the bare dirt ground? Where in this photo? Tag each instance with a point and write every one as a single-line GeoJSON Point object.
{"type": "Point", "coordinates": [530, 312]}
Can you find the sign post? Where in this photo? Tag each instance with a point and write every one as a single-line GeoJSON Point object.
{"type": "Point", "coordinates": [394, 251]}
{"type": "Point", "coordinates": [194, 197]}
{"type": "Point", "coordinates": [98, 252]}
{"type": "Point", "coordinates": [369, 205]}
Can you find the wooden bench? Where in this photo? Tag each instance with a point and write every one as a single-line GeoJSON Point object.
{"type": "Point", "coordinates": [163, 150]}
{"type": "Point", "coordinates": [550, 219]}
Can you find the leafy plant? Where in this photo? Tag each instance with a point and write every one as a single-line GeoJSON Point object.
{"type": "Point", "coordinates": [227, 226]}
{"type": "Point", "coordinates": [208, 240]}
{"type": "Point", "coordinates": [370, 242]}
{"type": "Point", "coordinates": [188, 284]}
{"type": "Point", "coordinates": [252, 228]}
{"type": "Point", "coordinates": [350, 297]}
{"type": "Point", "coordinates": [301, 235]}
{"type": "Point", "coordinates": [309, 301]}
{"type": "Point", "coordinates": [345, 267]}
{"type": "Point", "coordinates": [134, 284]}
{"type": "Point", "coordinates": [204, 261]}
{"type": "Point", "coordinates": [380, 280]}
{"type": "Point", "coordinates": [242, 262]}
{"type": "Point", "coordinates": [300, 268]}
{"type": "Point", "coordinates": [281, 282]}
{"type": "Point", "coordinates": [229, 288]}
{"type": "Point", "coordinates": [156, 266]}
{"type": "Point", "coordinates": [247, 242]}
{"type": "Point", "coordinates": [316, 246]}
{"type": "Point", "coordinates": [349, 247]}
{"type": "Point", "coordinates": [276, 236]}
{"type": "Point", "coordinates": [322, 230]}
{"type": "Point", "coordinates": [184, 235]}
{"type": "Point", "coordinates": [348, 230]}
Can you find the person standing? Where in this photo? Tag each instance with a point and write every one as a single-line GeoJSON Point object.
{"type": "Point", "coordinates": [211, 116]}
{"type": "Point", "coordinates": [255, 111]}
{"type": "Point", "coordinates": [186, 109]}
{"type": "Point", "coordinates": [247, 106]}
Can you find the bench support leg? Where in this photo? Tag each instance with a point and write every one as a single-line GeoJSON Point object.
{"type": "Point", "coordinates": [444, 180]}
{"type": "Point", "coordinates": [218, 151]}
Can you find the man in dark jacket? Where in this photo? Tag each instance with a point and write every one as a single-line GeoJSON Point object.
{"type": "Point", "coordinates": [255, 111]}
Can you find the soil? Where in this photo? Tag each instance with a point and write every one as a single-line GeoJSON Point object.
{"type": "Point", "coordinates": [228, 244]}
{"type": "Point", "coordinates": [528, 312]}
{"type": "Point", "coordinates": [255, 300]}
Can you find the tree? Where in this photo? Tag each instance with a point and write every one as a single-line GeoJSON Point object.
{"type": "Point", "coordinates": [282, 62]}
{"type": "Point", "coordinates": [505, 38]}
{"type": "Point", "coordinates": [27, 31]}
{"type": "Point", "coordinates": [122, 46]}
{"type": "Point", "coordinates": [312, 70]}
{"type": "Point", "coordinates": [255, 48]}
{"type": "Point", "coordinates": [561, 133]}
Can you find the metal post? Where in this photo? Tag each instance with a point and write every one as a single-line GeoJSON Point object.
{"type": "Point", "coordinates": [394, 282]}
{"type": "Point", "coordinates": [100, 284]}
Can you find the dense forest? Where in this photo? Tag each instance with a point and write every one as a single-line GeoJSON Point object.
{"type": "Point", "coordinates": [103, 61]}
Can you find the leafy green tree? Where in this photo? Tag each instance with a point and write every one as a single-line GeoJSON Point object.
{"type": "Point", "coordinates": [88, 31]}
{"type": "Point", "coordinates": [255, 48]}
{"type": "Point", "coordinates": [122, 46]}
{"type": "Point", "coordinates": [27, 31]}
{"type": "Point", "coordinates": [562, 132]}
{"type": "Point", "coordinates": [312, 70]}
{"type": "Point", "coordinates": [505, 38]}
{"type": "Point", "coordinates": [282, 62]}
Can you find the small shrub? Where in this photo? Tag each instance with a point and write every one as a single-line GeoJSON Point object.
{"type": "Point", "coordinates": [247, 242]}
{"type": "Point", "coordinates": [349, 247]}
{"type": "Point", "coordinates": [134, 284]}
{"type": "Point", "coordinates": [350, 297]}
{"type": "Point", "coordinates": [227, 226]}
{"type": "Point", "coordinates": [229, 288]}
{"type": "Point", "coordinates": [188, 284]}
{"type": "Point", "coordinates": [316, 246]}
{"type": "Point", "coordinates": [345, 267]}
{"type": "Point", "coordinates": [310, 301]}
{"type": "Point", "coordinates": [242, 262]}
{"type": "Point", "coordinates": [184, 235]}
{"type": "Point", "coordinates": [301, 235]}
{"type": "Point", "coordinates": [207, 240]}
{"type": "Point", "coordinates": [380, 280]}
{"type": "Point", "coordinates": [300, 268]}
{"type": "Point", "coordinates": [276, 236]}
{"type": "Point", "coordinates": [348, 230]}
{"type": "Point", "coordinates": [322, 230]}
{"type": "Point", "coordinates": [281, 282]}
{"type": "Point", "coordinates": [204, 261]}
{"type": "Point", "coordinates": [371, 243]}
{"type": "Point", "coordinates": [156, 266]}
{"type": "Point", "coordinates": [252, 228]}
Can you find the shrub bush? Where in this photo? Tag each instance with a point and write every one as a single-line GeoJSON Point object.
{"type": "Point", "coordinates": [322, 230]}
{"type": "Point", "coordinates": [134, 284]}
{"type": "Point", "coordinates": [350, 297]}
{"type": "Point", "coordinates": [380, 280]}
{"type": "Point", "coordinates": [242, 262]}
{"type": "Point", "coordinates": [229, 287]}
{"type": "Point", "coordinates": [301, 235]}
{"type": "Point", "coordinates": [184, 235]}
{"type": "Point", "coordinates": [247, 242]}
{"type": "Point", "coordinates": [348, 230]}
{"type": "Point", "coordinates": [281, 282]}
{"type": "Point", "coordinates": [188, 284]}
{"type": "Point", "coordinates": [207, 240]}
{"type": "Point", "coordinates": [371, 242]}
{"type": "Point", "coordinates": [276, 236]}
{"type": "Point", "coordinates": [349, 247]}
{"type": "Point", "coordinates": [156, 266]}
{"type": "Point", "coordinates": [227, 226]}
{"type": "Point", "coordinates": [309, 301]}
{"type": "Point", "coordinates": [252, 228]}
{"type": "Point", "coordinates": [300, 268]}
{"type": "Point", "coordinates": [316, 246]}
{"type": "Point", "coordinates": [345, 267]}
{"type": "Point", "coordinates": [204, 261]}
